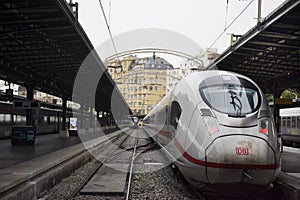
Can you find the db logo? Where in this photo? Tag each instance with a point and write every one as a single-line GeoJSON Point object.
{"type": "Point", "coordinates": [241, 151]}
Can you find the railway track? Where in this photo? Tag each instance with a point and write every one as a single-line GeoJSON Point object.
{"type": "Point", "coordinates": [121, 173]}
{"type": "Point", "coordinates": [113, 174]}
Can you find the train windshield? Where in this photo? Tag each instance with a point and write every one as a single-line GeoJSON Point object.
{"type": "Point", "coordinates": [232, 95]}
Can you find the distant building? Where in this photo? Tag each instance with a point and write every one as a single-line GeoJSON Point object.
{"type": "Point", "coordinates": [188, 67]}
{"type": "Point", "coordinates": [22, 91]}
{"type": "Point", "coordinates": [48, 98]}
{"type": "Point", "coordinates": [211, 55]}
{"type": "Point", "coordinates": [173, 77]}
{"type": "Point", "coordinates": [142, 81]}
{"type": "Point", "coordinates": [41, 96]}
{"type": "Point", "coordinates": [4, 86]}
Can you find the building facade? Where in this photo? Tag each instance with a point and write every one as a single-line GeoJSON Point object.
{"type": "Point", "coordinates": [142, 81]}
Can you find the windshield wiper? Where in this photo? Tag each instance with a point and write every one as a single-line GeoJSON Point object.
{"type": "Point", "coordinates": [236, 103]}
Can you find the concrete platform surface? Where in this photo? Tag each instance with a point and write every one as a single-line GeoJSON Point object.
{"type": "Point", "coordinates": [25, 171]}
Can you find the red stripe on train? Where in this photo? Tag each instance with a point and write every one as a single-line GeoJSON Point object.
{"type": "Point", "coordinates": [216, 165]}
{"type": "Point", "coordinates": [221, 165]}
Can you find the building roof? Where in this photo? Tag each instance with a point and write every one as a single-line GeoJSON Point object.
{"type": "Point", "coordinates": [151, 63]}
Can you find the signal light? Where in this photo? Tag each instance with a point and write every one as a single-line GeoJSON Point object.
{"type": "Point", "coordinates": [264, 126]}
{"type": "Point", "coordinates": [213, 129]}
{"type": "Point", "coordinates": [211, 124]}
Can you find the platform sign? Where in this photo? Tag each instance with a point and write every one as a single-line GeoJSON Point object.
{"type": "Point", "coordinates": [73, 124]}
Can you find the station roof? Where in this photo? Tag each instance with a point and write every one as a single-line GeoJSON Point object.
{"type": "Point", "coordinates": [270, 52]}
{"type": "Point", "coordinates": [43, 45]}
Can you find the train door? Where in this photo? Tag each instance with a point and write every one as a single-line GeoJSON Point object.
{"type": "Point", "coordinates": [178, 138]}
{"type": "Point", "coordinates": [174, 117]}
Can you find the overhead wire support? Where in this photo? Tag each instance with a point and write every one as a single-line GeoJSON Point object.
{"type": "Point", "coordinates": [230, 24]}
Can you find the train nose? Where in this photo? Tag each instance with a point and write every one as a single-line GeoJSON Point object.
{"type": "Point", "coordinates": [241, 159]}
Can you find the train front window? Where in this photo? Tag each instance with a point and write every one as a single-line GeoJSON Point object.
{"type": "Point", "coordinates": [235, 98]}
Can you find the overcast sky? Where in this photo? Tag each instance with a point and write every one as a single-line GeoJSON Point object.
{"type": "Point", "coordinates": [200, 20]}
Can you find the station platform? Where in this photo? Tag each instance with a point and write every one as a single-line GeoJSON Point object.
{"type": "Point", "coordinates": [289, 178]}
{"type": "Point", "coordinates": [291, 161]}
{"type": "Point", "coordinates": [27, 171]}
{"type": "Point", "coordinates": [12, 155]}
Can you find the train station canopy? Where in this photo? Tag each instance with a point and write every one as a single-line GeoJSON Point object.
{"type": "Point", "coordinates": [270, 52]}
{"type": "Point", "coordinates": [42, 45]}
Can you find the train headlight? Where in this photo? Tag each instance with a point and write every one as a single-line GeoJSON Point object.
{"type": "Point", "coordinates": [263, 126]}
{"type": "Point", "coordinates": [212, 124]}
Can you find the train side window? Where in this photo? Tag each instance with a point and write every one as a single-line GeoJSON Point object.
{"type": "Point", "coordinates": [40, 120]}
{"type": "Point", "coordinates": [293, 122]}
{"type": "Point", "coordinates": [52, 119]}
{"type": "Point", "coordinates": [288, 122]}
{"type": "Point", "coordinates": [47, 120]}
{"type": "Point", "coordinates": [1, 117]}
{"type": "Point", "coordinates": [18, 118]}
{"type": "Point", "coordinates": [7, 118]}
{"type": "Point", "coordinates": [175, 114]}
{"type": "Point", "coordinates": [298, 122]}
{"type": "Point", "coordinates": [23, 119]}
{"type": "Point", "coordinates": [283, 121]}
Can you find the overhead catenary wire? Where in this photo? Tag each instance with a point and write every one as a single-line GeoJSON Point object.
{"type": "Point", "coordinates": [109, 12]}
{"type": "Point", "coordinates": [226, 13]}
{"type": "Point", "coordinates": [230, 24]}
{"type": "Point", "coordinates": [108, 28]}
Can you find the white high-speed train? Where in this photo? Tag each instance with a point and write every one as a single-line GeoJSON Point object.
{"type": "Point", "coordinates": [219, 131]}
